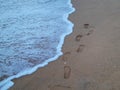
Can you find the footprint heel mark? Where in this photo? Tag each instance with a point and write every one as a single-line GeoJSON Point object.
{"type": "Point", "coordinates": [80, 48]}
{"type": "Point", "coordinates": [90, 32]}
{"type": "Point", "coordinates": [67, 72]}
{"type": "Point", "coordinates": [78, 37]}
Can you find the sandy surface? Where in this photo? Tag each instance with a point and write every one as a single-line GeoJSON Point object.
{"type": "Point", "coordinates": [91, 59]}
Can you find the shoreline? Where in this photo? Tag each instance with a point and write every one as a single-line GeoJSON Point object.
{"type": "Point", "coordinates": [90, 59]}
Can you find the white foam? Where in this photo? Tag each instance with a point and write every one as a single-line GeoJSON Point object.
{"type": "Point", "coordinates": [7, 83]}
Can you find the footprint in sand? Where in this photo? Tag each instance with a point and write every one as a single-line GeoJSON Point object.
{"type": "Point", "coordinates": [65, 57]}
{"type": "Point", "coordinates": [80, 48]}
{"type": "Point", "coordinates": [89, 28]}
{"type": "Point", "coordinates": [60, 87]}
{"type": "Point", "coordinates": [67, 72]}
{"type": "Point", "coordinates": [78, 37]}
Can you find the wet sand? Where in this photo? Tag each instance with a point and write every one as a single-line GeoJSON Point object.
{"type": "Point", "coordinates": [91, 59]}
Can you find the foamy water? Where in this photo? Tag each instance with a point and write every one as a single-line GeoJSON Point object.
{"type": "Point", "coordinates": [31, 35]}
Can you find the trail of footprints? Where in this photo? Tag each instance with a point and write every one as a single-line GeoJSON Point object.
{"type": "Point", "coordinates": [67, 68]}
{"type": "Point", "coordinates": [89, 30]}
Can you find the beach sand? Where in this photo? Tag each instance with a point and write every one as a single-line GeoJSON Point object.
{"type": "Point", "coordinates": [91, 59]}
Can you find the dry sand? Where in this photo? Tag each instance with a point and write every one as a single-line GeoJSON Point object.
{"type": "Point", "coordinates": [91, 59]}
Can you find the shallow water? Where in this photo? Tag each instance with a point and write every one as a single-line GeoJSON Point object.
{"type": "Point", "coordinates": [31, 35]}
